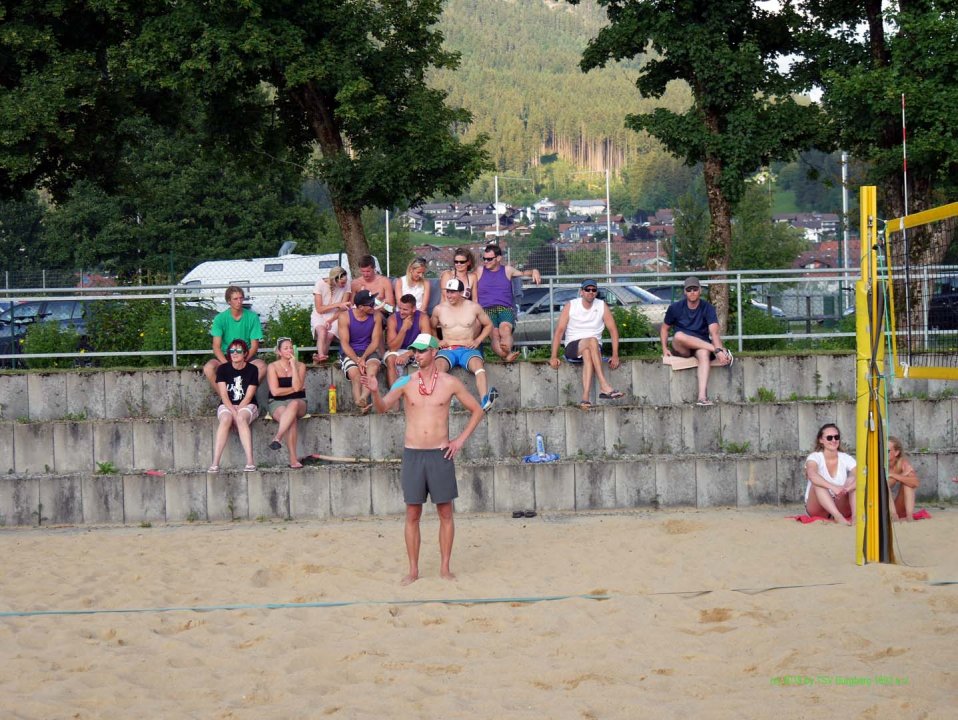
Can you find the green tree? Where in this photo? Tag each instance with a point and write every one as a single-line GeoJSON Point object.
{"type": "Point", "coordinates": [866, 54]}
{"type": "Point", "coordinates": [758, 243]}
{"type": "Point", "coordinates": [691, 229]}
{"type": "Point", "coordinates": [742, 114]}
{"type": "Point", "coordinates": [345, 76]}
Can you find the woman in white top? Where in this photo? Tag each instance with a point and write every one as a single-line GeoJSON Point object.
{"type": "Point", "coordinates": [330, 297]}
{"type": "Point", "coordinates": [463, 269]}
{"type": "Point", "coordinates": [414, 283]}
{"type": "Point", "coordinates": [831, 476]}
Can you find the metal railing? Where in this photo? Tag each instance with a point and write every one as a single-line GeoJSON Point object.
{"type": "Point", "coordinates": [813, 301]}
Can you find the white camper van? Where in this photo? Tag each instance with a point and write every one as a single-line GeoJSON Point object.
{"type": "Point", "coordinates": [269, 283]}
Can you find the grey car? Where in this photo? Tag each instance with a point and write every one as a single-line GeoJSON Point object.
{"type": "Point", "coordinates": [538, 322]}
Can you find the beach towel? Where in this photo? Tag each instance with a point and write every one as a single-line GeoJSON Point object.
{"type": "Point", "coordinates": [806, 519]}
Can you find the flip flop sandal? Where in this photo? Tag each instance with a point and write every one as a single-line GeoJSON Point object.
{"type": "Point", "coordinates": [614, 395]}
{"type": "Point", "coordinates": [529, 513]}
{"type": "Point", "coordinates": [518, 514]}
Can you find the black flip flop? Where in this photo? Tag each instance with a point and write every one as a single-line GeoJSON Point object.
{"type": "Point", "coordinates": [518, 514]}
{"type": "Point", "coordinates": [530, 513]}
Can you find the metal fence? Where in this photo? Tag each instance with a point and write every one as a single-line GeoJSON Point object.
{"type": "Point", "coordinates": [809, 305]}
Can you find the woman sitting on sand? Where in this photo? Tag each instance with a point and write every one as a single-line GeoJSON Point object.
{"type": "Point", "coordinates": [236, 383]}
{"type": "Point", "coordinates": [330, 297]}
{"type": "Point", "coordinates": [287, 397]}
{"type": "Point", "coordinates": [902, 474]}
{"type": "Point", "coordinates": [831, 478]}
{"type": "Point", "coordinates": [414, 283]}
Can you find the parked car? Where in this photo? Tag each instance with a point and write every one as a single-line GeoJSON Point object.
{"type": "Point", "coordinates": [775, 311]}
{"type": "Point", "coordinates": [943, 306]}
{"type": "Point", "coordinates": [537, 323]}
{"type": "Point", "coordinates": [15, 321]}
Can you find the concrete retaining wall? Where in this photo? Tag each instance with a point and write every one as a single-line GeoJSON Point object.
{"type": "Point", "coordinates": [179, 444]}
{"type": "Point", "coordinates": [373, 489]}
{"type": "Point", "coordinates": [40, 396]}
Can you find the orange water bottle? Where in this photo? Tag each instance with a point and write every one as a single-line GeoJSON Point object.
{"type": "Point", "coordinates": [332, 399]}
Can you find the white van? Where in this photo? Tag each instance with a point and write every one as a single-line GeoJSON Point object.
{"type": "Point", "coordinates": [291, 277]}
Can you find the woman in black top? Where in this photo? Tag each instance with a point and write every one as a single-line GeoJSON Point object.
{"type": "Point", "coordinates": [287, 397]}
{"type": "Point", "coordinates": [236, 383]}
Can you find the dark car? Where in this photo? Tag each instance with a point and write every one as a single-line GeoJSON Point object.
{"type": "Point", "coordinates": [943, 306]}
{"type": "Point", "coordinates": [16, 320]}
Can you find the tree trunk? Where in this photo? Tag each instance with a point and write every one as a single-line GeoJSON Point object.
{"type": "Point", "coordinates": [720, 236]}
{"type": "Point", "coordinates": [319, 110]}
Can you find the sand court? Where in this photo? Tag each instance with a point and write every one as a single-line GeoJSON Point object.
{"type": "Point", "coordinates": [717, 613]}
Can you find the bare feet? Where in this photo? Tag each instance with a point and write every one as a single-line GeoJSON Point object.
{"type": "Point", "coordinates": [409, 579]}
{"type": "Point", "coordinates": [511, 357]}
{"type": "Point", "coordinates": [446, 575]}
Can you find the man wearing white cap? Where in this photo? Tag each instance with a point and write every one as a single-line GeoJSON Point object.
{"type": "Point", "coordinates": [465, 325]}
{"type": "Point", "coordinates": [428, 453]}
{"type": "Point", "coordinates": [580, 328]}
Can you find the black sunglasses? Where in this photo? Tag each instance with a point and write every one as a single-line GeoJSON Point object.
{"type": "Point", "coordinates": [489, 259]}
{"type": "Point", "coordinates": [461, 262]}
{"type": "Point", "coordinates": [832, 437]}
{"type": "Point", "coordinates": [590, 289]}
{"type": "Point", "coordinates": [693, 288]}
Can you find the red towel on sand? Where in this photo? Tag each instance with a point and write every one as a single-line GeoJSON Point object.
{"type": "Point", "coordinates": [807, 519]}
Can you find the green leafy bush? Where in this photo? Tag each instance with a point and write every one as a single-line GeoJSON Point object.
{"type": "Point", "coordinates": [291, 321]}
{"type": "Point", "coordinates": [192, 333]}
{"type": "Point", "coordinates": [632, 323]}
{"type": "Point", "coordinates": [49, 337]}
{"type": "Point", "coordinates": [759, 322]}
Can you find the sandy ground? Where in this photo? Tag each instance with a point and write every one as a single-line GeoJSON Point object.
{"type": "Point", "coordinates": [687, 629]}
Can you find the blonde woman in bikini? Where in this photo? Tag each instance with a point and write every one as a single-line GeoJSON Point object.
{"type": "Point", "coordinates": [902, 474]}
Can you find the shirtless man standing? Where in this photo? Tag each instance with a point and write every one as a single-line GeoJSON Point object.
{"type": "Point", "coordinates": [464, 327]}
{"type": "Point", "coordinates": [427, 462]}
{"type": "Point", "coordinates": [375, 284]}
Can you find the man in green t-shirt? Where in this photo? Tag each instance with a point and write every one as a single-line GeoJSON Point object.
{"type": "Point", "coordinates": [229, 325]}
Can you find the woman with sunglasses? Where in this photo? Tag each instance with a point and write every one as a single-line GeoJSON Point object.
{"type": "Point", "coordinates": [330, 297]}
{"type": "Point", "coordinates": [414, 283]}
{"type": "Point", "coordinates": [236, 383]}
{"type": "Point", "coordinates": [463, 270]}
{"type": "Point", "coordinates": [831, 476]}
{"type": "Point", "coordinates": [287, 397]}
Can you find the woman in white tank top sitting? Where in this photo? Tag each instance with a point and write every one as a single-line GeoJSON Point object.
{"type": "Point", "coordinates": [831, 476]}
{"type": "Point", "coordinates": [414, 283]}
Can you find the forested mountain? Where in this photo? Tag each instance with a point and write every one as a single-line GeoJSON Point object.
{"type": "Point", "coordinates": [520, 78]}
{"type": "Point", "coordinates": [548, 121]}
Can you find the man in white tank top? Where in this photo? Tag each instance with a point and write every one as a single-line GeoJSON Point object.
{"type": "Point", "coordinates": [580, 329]}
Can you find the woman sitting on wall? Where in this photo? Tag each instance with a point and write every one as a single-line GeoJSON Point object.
{"type": "Point", "coordinates": [463, 269]}
{"type": "Point", "coordinates": [287, 397]}
{"type": "Point", "coordinates": [414, 283]}
{"type": "Point", "coordinates": [236, 383]}
{"type": "Point", "coordinates": [330, 297]}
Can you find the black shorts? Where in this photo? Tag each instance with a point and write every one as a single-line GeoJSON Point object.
{"type": "Point", "coordinates": [427, 471]}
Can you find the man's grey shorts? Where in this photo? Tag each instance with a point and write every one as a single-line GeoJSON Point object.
{"type": "Point", "coordinates": [427, 471]}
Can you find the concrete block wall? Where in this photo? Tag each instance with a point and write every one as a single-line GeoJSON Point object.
{"type": "Point", "coordinates": [373, 489]}
{"type": "Point", "coordinates": [113, 394]}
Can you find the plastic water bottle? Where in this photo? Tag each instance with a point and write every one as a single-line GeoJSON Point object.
{"type": "Point", "coordinates": [540, 445]}
{"type": "Point", "coordinates": [332, 399]}
{"type": "Point", "coordinates": [384, 306]}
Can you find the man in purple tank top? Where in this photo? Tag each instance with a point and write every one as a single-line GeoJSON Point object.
{"type": "Point", "coordinates": [494, 294]}
{"type": "Point", "coordinates": [360, 335]}
{"type": "Point", "coordinates": [401, 330]}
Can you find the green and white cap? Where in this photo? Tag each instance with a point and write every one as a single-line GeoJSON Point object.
{"type": "Point", "coordinates": [424, 341]}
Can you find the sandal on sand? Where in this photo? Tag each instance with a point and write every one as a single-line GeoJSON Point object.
{"type": "Point", "coordinates": [612, 395]}
{"type": "Point", "coordinates": [213, 469]}
{"type": "Point", "coordinates": [249, 468]}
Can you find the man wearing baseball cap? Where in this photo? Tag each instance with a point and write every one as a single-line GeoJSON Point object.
{"type": "Point", "coordinates": [360, 335]}
{"type": "Point", "coordinates": [696, 334]}
{"type": "Point", "coordinates": [428, 453]}
{"type": "Point", "coordinates": [464, 326]}
{"type": "Point", "coordinates": [580, 327]}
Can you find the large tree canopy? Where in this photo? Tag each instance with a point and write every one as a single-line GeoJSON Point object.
{"type": "Point", "coordinates": [742, 114]}
{"type": "Point", "coordinates": [343, 81]}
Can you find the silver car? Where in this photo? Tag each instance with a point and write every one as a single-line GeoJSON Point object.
{"type": "Point", "coordinates": [538, 322]}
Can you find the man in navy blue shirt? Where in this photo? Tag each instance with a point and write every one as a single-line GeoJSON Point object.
{"type": "Point", "coordinates": [696, 334]}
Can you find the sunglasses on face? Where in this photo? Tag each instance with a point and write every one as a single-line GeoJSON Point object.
{"type": "Point", "coordinates": [590, 289]}
{"type": "Point", "coordinates": [461, 262]}
{"type": "Point", "coordinates": [832, 437]}
{"type": "Point", "coordinates": [419, 351]}
{"type": "Point", "coordinates": [488, 259]}
{"type": "Point", "coordinates": [236, 351]}
{"type": "Point", "coordinates": [694, 288]}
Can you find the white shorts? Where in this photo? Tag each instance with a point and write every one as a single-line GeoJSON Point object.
{"type": "Point", "coordinates": [252, 409]}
